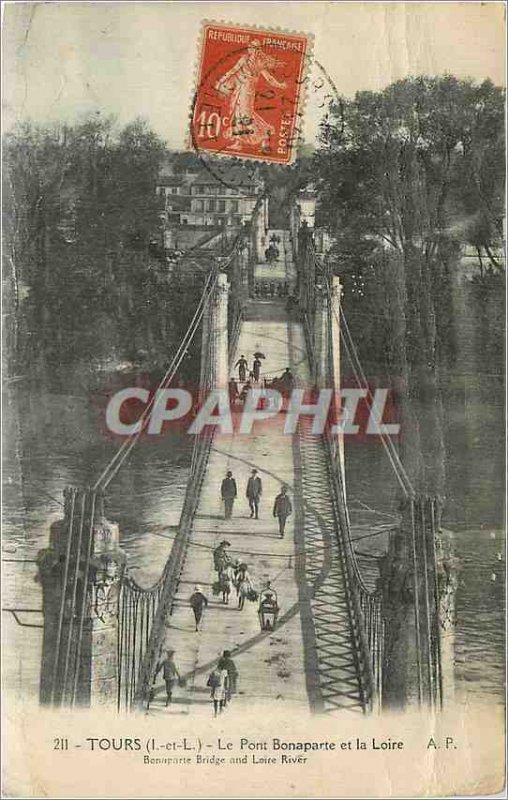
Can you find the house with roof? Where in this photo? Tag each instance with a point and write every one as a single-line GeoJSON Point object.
{"type": "Point", "coordinates": [201, 201]}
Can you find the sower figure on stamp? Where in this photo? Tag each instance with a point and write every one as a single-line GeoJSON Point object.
{"type": "Point", "coordinates": [253, 493]}
{"type": "Point", "coordinates": [282, 508]}
{"type": "Point", "coordinates": [239, 84]}
{"type": "Point", "coordinates": [228, 493]}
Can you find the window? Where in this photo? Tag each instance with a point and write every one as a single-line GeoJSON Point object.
{"type": "Point", "coordinates": [210, 205]}
{"type": "Point", "coordinates": [200, 205]}
{"type": "Point", "coordinates": [221, 205]}
{"type": "Point", "coordinates": [234, 206]}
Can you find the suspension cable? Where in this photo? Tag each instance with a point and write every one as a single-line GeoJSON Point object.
{"type": "Point", "coordinates": [84, 598]}
{"type": "Point", "coordinates": [354, 359]}
{"type": "Point", "coordinates": [64, 595]}
{"type": "Point", "coordinates": [387, 442]}
{"type": "Point", "coordinates": [383, 438]}
{"type": "Point", "coordinates": [118, 459]}
{"type": "Point", "coordinates": [116, 462]}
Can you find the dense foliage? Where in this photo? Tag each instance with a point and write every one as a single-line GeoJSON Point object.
{"type": "Point", "coordinates": [408, 178]}
{"type": "Point", "coordinates": [84, 280]}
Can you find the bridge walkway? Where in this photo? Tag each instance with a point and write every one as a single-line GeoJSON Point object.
{"type": "Point", "coordinates": [283, 268]}
{"type": "Point", "coordinates": [310, 657]}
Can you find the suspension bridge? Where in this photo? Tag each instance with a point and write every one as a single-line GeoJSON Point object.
{"type": "Point", "coordinates": [349, 637]}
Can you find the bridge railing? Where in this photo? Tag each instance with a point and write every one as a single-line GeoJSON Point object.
{"type": "Point", "coordinates": [166, 588]}
{"type": "Point", "coordinates": [168, 584]}
{"type": "Point", "coordinates": [429, 571]}
{"type": "Point", "coordinates": [139, 691]}
{"type": "Point", "coordinates": [366, 618]}
{"type": "Point", "coordinates": [366, 624]}
{"type": "Point", "coordinates": [137, 610]}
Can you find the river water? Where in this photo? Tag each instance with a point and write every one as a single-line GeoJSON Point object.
{"type": "Point", "coordinates": [53, 440]}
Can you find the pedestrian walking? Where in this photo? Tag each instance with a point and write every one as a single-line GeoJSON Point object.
{"type": "Point", "coordinates": [287, 382]}
{"type": "Point", "coordinates": [170, 674]}
{"type": "Point", "coordinates": [198, 602]}
{"type": "Point", "coordinates": [227, 663]}
{"type": "Point", "coordinates": [268, 610]}
{"type": "Point", "coordinates": [256, 368]}
{"type": "Point", "coordinates": [244, 587]}
{"type": "Point", "coordinates": [253, 493]}
{"type": "Point", "coordinates": [221, 559]}
{"type": "Point", "coordinates": [228, 493]}
{"type": "Point", "coordinates": [245, 391]}
{"type": "Point", "coordinates": [282, 508]}
{"type": "Point", "coordinates": [233, 392]}
{"type": "Point", "coordinates": [242, 368]}
{"type": "Point", "coordinates": [218, 683]}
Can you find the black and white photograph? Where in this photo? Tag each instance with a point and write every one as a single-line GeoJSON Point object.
{"type": "Point", "coordinates": [254, 399]}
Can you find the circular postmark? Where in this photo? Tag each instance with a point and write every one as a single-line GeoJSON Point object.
{"type": "Point", "coordinates": [249, 108]}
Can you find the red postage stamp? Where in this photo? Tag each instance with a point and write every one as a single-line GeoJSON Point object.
{"type": "Point", "coordinates": [248, 98]}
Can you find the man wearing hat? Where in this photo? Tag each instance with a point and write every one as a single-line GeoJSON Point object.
{"type": "Point", "coordinates": [227, 663]}
{"type": "Point", "coordinates": [228, 493]}
{"type": "Point", "coordinates": [170, 674]}
{"type": "Point", "coordinates": [254, 492]}
{"type": "Point", "coordinates": [242, 367]}
{"type": "Point", "coordinates": [220, 557]}
{"type": "Point", "coordinates": [282, 508]}
{"type": "Point", "coordinates": [198, 601]}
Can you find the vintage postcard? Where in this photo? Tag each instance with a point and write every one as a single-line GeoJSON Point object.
{"type": "Point", "coordinates": [253, 392]}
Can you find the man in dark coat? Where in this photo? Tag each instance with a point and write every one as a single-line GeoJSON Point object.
{"type": "Point", "coordinates": [242, 367]}
{"type": "Point", "coordinates": [221, 558]}
{"type": "Point", "coordinates": [287, 382]}
{"type": "Point", "coordinates": [282, 508]}
{"type": "Point", "coordinates": [227, 663]}
{"type": "Point", "coordinates": [254, 492]}
{"type": "Point", "coordinates": [170, 674]}
{"type": "Point", "coordinates": [228, 493]}
{"type": "Point", "coordinates": [256, 368]}
{"type": "Point", "coordinates": [198, 602]}
{"type": "Point", "coordinates": [233, 392]}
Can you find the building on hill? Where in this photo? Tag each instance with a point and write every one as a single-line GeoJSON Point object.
{"type": "Point", "coordinates": [201, 203]}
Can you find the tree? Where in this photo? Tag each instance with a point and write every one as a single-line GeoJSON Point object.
{"type": "Point", "coordinates": [81, 210]}
{"type": "Point", "coordinates": [407, 176]}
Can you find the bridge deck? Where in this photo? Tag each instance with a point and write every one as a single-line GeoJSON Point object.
{"type": "Point", "coordinates": [309, 658]}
